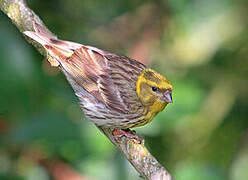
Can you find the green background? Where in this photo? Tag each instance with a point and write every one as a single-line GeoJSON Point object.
{"type": "Point", "coordinates": [200, 46]}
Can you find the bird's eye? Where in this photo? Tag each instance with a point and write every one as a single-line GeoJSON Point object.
{"type": "Point", "coordinates": [154, 89]}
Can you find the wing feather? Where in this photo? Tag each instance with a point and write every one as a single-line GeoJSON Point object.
{"type": "Point", "coordinates": [105, 75]}
{"type": "Point", "coordinates": [109, 77]}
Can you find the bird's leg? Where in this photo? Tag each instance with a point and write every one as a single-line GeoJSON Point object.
{"type": "Point", "coordinates": [127, 133]}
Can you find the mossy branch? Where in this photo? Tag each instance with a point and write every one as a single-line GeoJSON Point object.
{"type": "Point", "coordinates": [137, 154]}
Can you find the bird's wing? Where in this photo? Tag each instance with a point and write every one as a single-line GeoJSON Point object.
{"type": "Point", "coordinates": [109, 77]}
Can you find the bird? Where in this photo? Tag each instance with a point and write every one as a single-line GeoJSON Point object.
{"type": "Point", "coordinates": [114, 91]}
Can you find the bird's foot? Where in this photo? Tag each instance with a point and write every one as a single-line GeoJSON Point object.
{"type": "Point", "coordinates": [118, 133]}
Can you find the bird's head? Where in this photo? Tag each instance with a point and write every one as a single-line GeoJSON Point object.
{"type": "Point", "coordinates": [152, 88]}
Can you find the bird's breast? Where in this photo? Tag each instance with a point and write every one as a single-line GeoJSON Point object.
{"type": "Point", "coordinates": [154, 109]}
{"type": "Point", "coordinates": [151, 112]}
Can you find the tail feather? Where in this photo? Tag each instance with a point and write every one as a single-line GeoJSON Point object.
{"type": "Point", "coordinates": [58, 49]}
{"type": "Point", "coordinates": [38, 37]}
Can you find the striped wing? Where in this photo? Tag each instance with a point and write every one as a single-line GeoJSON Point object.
{"type": "Point", "coordinates": [109, 77]}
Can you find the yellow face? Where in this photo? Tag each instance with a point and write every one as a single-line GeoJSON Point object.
{"type": "Point", "coordinates": [154, 90]}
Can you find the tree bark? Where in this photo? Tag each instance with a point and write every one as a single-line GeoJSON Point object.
{"type": "Point", "coordinates": [136, 153]}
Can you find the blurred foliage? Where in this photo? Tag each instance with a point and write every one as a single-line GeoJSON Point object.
{"type": "Point", "coordinates": [200, 46]}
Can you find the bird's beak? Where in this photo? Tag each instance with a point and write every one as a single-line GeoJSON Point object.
{"type": "Point", "coordinates": [168, 97]}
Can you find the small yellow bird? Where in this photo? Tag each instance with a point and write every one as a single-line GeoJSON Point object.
{"type": "Point", "coordinates": [114, 91]}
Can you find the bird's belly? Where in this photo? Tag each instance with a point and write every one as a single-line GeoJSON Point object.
{"type": "Point", "coordinates": [151, 113]}
{"type": "Point", "coordinates": [146, 119]}
{"type": "Point", "coordinates": [101, 116]}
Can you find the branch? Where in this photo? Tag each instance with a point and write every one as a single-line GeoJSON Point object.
{"type": "Point", "coordinates": [136, 153]}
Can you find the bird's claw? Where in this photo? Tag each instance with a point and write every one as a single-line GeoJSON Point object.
{"type": "Point", "coordinates": [118, 133]}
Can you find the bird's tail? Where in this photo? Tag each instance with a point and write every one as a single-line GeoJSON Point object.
{"type": "Point", "coordinates": [58, 49]}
